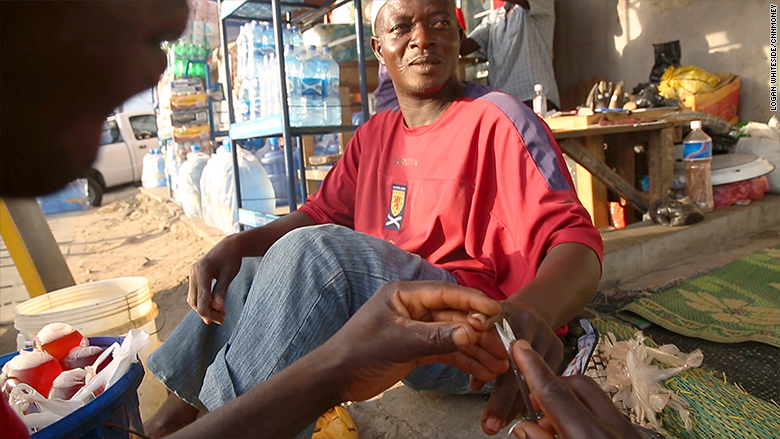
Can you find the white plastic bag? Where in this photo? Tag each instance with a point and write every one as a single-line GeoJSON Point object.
{"type": "Point", "coordinates": [218, 192]}
{"type": "Point", "coordinates": [189, 183]}
{"type": "Point", "coordinates": [764, 141]}
{"type": "Point", "coordinates": [49, 411]}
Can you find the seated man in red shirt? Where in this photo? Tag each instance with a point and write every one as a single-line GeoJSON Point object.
{"type": "Point", "coordinates": [462, 183]}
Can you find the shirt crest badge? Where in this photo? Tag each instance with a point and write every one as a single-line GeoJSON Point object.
{"type": "Point", "coordinates": [395, 214]}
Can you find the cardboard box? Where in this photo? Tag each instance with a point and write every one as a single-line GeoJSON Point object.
{"type": "Point", "coordinates": [723, 102]}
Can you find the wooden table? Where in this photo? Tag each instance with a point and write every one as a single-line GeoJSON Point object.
{"type": "Point", "coordinates": [594, 176]}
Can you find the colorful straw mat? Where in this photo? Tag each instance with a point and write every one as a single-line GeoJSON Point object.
{"type": "Point", "coordinates": [718, 409]}
{"type": "Point", "coordinates": [735, 303]}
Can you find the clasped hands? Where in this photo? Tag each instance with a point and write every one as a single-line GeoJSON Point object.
{"type": "Point", "coordinates": [406, 324]}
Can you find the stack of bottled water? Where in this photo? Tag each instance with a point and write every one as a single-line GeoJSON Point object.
{"type": "Point", "coordinates": [312, 78]}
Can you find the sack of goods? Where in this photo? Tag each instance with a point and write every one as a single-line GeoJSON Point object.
{"type": "Point", "coordinates": [218, 192]}
{"type": "Point", "coordinates": [189, 181]}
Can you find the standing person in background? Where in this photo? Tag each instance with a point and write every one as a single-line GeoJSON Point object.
{"type": "Point", "coordinates": [520, 32]}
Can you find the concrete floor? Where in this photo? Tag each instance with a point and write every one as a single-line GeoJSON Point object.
{"type": "Point", "coordinates": [643, 254]}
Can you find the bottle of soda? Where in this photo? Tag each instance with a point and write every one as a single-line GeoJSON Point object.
{"type": "Point", "coordinates": [697, 155]}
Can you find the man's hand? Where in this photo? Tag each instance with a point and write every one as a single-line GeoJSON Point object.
{"type": "Point", "coordinates": [573, 407]}
{"type": "Point", "coordinates": [221, 263]}
{"type": "Point", "coordinates": [506, 401]}
{"type": "Point", "coordinates": [403, 325]}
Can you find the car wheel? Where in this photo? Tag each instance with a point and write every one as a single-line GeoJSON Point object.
{"type": "Point", "coordinates": [94, 192]}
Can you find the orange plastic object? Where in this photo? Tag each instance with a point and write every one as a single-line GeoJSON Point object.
{"type": "Point", "coordinates": [37, 369]}
{"type": "Point", "coordinates": [60, 347]}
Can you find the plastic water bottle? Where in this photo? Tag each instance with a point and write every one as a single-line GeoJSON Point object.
{"type": "Point", "coordinates": [292, 68]}
{"type": "Point", "coordinates": [268, 43]}
{"type": "Point", "coordinates": [243, 109]}
{"type": "Point", "coordinates": [270, 85]}
{"type": "Point", "coordinates": [153, 170]}
{"type": "Point", "coordinates": [331, 96]}
{"type": "Point", "coordinates": [697, 155]}
{"type": "Point", "coordinates": [255, 99]}
{"type": "Point", "coordinates": [311, 88]}
{"type": "Point", "coordinates": [258, 50]}
{"type": "Point", "coordinates": [242, 52]}
{"type": "Point", "coordinates": [296, 39]}
{"type": "Point", "coordinates": [540, 101]}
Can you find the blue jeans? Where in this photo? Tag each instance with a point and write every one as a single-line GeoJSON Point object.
{"type": "Point", "coordinates": [284, 305]}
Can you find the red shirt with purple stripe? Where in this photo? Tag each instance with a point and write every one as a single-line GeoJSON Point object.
{"type": "Point", "coordinates": [482, 192]}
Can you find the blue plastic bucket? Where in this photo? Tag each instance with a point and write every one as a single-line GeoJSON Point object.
{"type": "Point", "coordinates": [112, 414]}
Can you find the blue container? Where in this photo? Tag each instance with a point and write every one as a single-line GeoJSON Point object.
{"type": "Point", "coordinates": [111, 415]}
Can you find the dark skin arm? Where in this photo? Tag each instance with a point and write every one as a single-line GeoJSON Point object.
{"type": "Point", "coordinates": [565, 282]}
{"type": "Point", "coordinates": [573, 407]}
{"type": "Point", "coordinates": [223, 261]}
{"type": "Point", "coordinates": [410, 323]}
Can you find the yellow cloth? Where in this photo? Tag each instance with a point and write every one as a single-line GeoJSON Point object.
{"type": "Point", "coordinates": [679, 82]}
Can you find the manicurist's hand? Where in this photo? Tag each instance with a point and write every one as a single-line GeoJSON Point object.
{"type": "Point", "coordinates": [403, 325]}
{"type": "Point", "coordinates": [506, 401]}
{"type": "Point", "coordinates": [574, 407]}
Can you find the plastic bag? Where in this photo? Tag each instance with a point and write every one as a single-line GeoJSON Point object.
{"type": "Point", "coordinates": [218, 192]}
{"type": "Point", "coordinates": [764, 141]}
{"type": "Point", "coordinates": [634, 382]}
{"type": "Point", "coordinates": [740, 192]}
{"type": "Point", "coordinates": [188, 185]}
{"type": "Point", "coordinates": [47, 411]}
{"type": "Point", "coordinates": [679, 82]}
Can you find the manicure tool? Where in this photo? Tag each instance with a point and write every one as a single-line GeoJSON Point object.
{"type": "Point", "coordinates": [507, 337]}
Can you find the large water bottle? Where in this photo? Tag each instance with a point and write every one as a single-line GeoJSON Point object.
{"type": "Point", "coordinates": [292, 68]}
{"type": "Point", "coordinates": [697, 155]}
{"type": "Point", "coordinates": [244, 101]}
{"type": "Point", "coordinates": [311, 88]}
{"type": "Point", "coordinates": [331, 96]}
{"type": "Point", "coordinates": [153, 170]}
{"type": "Point", "coordinates": [273, 162]}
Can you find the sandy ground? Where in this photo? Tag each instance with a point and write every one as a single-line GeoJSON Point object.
{"type": "Point", "coordinates": [130, 235]}
{"type": "Point", "coordinates": [139, 236]}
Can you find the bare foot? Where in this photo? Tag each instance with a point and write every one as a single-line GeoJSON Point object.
{"type": "Point", "coordinates": [174, 414]}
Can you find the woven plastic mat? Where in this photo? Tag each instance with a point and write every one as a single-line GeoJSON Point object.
{"type": "Point", "coordinates": [735, 303]}
{"type": "Point", "coordinates": [718, 409]}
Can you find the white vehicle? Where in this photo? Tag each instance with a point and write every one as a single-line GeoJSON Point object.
{"type": "Point", "coordinates": [125, 140]}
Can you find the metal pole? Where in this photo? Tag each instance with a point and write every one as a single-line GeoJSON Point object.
{"type": "Point", "coordinates": [288, 145]}
{"type": "Point", "coordinates": [361, 58]}
{"type": "Point", "coordinates": [229, 83]}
